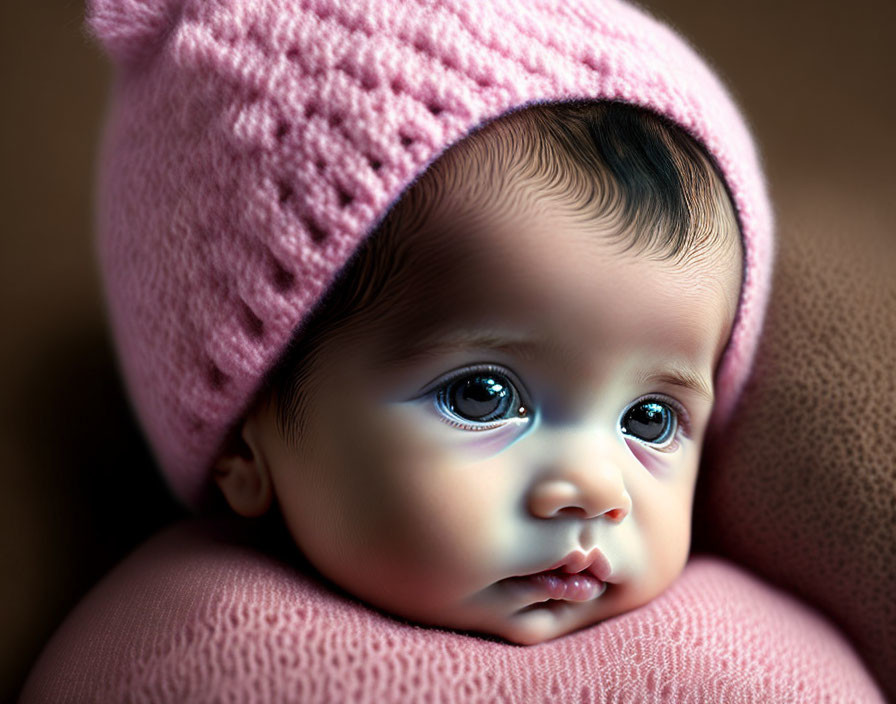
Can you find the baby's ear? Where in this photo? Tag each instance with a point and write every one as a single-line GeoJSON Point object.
{"type": "Point", "coordinates": [242, 473]}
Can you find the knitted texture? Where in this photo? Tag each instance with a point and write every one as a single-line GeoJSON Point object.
{"type": "Point", "coordinates": [250, 147]}
{"type": "Point", "coordinates": [193, 618]}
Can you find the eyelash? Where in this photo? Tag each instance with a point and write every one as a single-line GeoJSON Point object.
{"type": "Point", "coordinates": [681, 420]}
{"type": "Point", "coordinates": [437, 388]}
{"type": "Point", "coordinates": [441, 385]}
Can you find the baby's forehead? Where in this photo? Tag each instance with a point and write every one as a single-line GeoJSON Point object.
{"type": "Point", "coordinates": [476, 226]}
{"type": "Point", "coordinates": [538, 284]}
{"type": "Point", "coordinates": [637, 177]}
{"type": "Point", "coordinates": [614, 174]}
{"type": "Point", "coordinates": [488, 241]}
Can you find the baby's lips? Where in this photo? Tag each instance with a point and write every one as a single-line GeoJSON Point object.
{"type": "Point", "coordinates": [568, 587]}
{"type": "Point", "coordinates": [594, 561]}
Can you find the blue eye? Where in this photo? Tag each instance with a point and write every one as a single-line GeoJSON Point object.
{"type": "Point", "coordinates": [480, 399]}
{"type": "Point", "coordinates": [650, 421]}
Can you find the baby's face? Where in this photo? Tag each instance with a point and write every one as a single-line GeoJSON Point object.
{"type": "Point", "coordinates": [513, 448]}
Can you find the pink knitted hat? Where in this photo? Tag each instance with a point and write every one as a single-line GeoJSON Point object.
{"type": "Point", "coordinates": [251, 145]}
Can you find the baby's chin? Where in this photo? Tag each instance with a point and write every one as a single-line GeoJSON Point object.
{"type": "Point", "coordinates": [544, 621]}
{"type": "Point", "coordinates": [537, 624]}
{"type": "Point", "coordinates": [548, 620]}
{"type": "Point", "coordinates": [529, 625]}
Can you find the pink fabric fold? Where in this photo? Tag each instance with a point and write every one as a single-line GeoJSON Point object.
{"type": "Point", "coordinates": [191, 616]}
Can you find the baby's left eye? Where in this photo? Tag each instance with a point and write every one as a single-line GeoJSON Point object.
{"type": "Point", "coordinates": [480, 399]}
{"type": "Point", "coordinates": [651, 421]}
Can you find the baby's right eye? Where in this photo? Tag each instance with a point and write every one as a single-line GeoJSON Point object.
{"type": "Point", "coordinates": [480, 398]}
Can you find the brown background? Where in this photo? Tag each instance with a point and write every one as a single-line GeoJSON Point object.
{"type": "Point", "coordinates": [815, 80]}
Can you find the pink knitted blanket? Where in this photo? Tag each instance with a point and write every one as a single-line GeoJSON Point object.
{"type": "Point", "coordinates": [192, 617]}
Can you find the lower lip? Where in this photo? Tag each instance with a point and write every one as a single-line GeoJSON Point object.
{"type": "Point", "coordinates": [561, 585]}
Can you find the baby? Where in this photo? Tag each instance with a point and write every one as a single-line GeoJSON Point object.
{"type": "Point", "coordinates": [464, 329]}
{"type": "Point", "coordinates": [494, 422]}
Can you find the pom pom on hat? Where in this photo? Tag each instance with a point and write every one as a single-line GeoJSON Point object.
{"type": "Point", "coordinates": [131, 30]}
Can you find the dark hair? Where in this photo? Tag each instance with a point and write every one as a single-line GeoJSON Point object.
{"type": "Point", "coordinates": [654, 185]}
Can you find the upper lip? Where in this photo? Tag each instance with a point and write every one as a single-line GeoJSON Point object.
{"type": "Point", "coordinates": [594, 562]}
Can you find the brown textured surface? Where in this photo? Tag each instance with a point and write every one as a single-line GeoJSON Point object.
{"type": "Point", "coordinates": [803, 489]}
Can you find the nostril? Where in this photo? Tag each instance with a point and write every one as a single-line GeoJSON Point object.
{"type": "Point", "coordinates": [622, 509]}
{"type": "Point", "coordinates": [572, 512]}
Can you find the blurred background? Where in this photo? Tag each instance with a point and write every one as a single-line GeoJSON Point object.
{"type": "Point", "coordinates": [815, 80]}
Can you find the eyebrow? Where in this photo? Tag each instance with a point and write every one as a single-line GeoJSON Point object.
{"type": "Point", "coordinates": [436, 344]}
{"type": "Point", "coordinates": [518, 345]}
{"type": "Point", "coordinates": [683, 378]}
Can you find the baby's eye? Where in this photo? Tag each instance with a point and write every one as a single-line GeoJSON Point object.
{"type": "Point", "coordinates": [651, 421]}
{"type": "Point", "coordinates": [480, 399]}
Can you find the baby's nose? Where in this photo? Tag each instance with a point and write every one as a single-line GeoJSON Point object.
{"type": "Point", "coordinates": [579, 483]}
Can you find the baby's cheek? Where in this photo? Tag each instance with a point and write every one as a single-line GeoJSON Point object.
{"type": "Point", "coordinates": [447, 507]}
{"type": "Point", "coordinates": [657, 465]}
{"type": "Point", "coordinates": [434, 518]}
{"type": "Point", "coordinates": [658, 537]}
{"type": "Point", "coordinates": [667, 531]}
